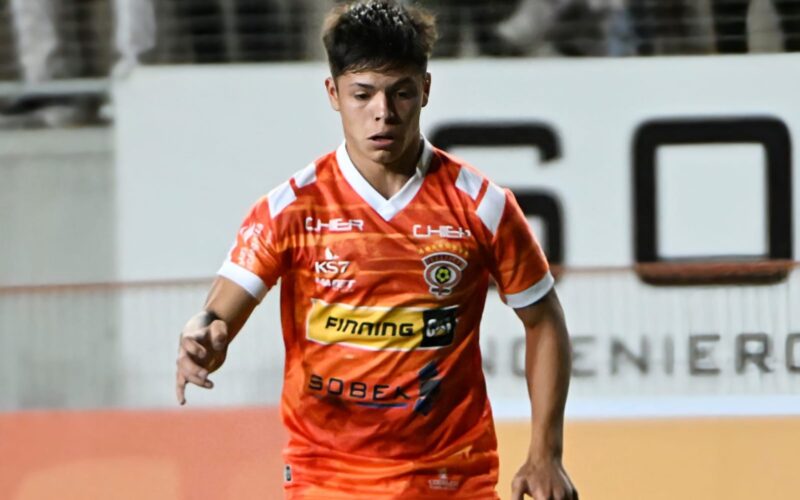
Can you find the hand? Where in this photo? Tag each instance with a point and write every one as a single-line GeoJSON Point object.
{"type": "Point", "coordinates": [202, 349]}
{"type": "Point", "coordinates": [543, 480]}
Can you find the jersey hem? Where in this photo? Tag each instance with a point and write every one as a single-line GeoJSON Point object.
{"type": "Point", "coordinates": [289, 494]}
{"type": "Point", "coordinates": [245, 278]}
{"type": "Point", "coordinates": [532, 294]}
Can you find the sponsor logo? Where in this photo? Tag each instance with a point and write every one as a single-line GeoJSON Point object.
{"type": "Point", "coordinates": [334, 225]}
{"type": "Point", "coordinates": [443, 271]}
{"type": "Point", "coordinates": [248, 232]}
{"type": "Point", "coordinates": [430, 385]}
{"type": "Point", "coordinates": [447, 232]}
{"type": "Point", "coordinates": [443, 482]}
{"type": "Point", "coordinates": [335, 284]}
{"type": "Point", "coordinates": [381, 328]}
{"type": "Point", "coordinates": [328, 269]}
{"type": "Point", "coordinates": [250, 245]}
{"type": "Point", "coordinates": [381, 395]}
{"type": "Point", "coordinates": [332, 264]}
{"type": "Point", "coordinates": [440, 326]}
{"type": "Point", "coordinates": [374, 395]}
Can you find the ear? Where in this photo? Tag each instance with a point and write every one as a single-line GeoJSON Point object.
{"type": "Point", "coordinates": [426, 89]}
{"type": "Point", "coordinates": [333, 93]}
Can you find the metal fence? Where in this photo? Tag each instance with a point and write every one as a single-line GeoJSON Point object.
{"type": "Point", "coordinates": [86, 38]}
{"type": "Point", "coordinates": [113, 345]}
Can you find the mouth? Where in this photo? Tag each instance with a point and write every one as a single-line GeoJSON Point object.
{"type": "Point", "coordinates": [382, 140]}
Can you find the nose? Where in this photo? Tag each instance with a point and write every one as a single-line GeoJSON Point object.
{"type": "Point", "coordinates": [384, 111]}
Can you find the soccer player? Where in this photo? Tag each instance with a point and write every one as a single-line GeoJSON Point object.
{"type": "Point", "coordinates": [384, 249]}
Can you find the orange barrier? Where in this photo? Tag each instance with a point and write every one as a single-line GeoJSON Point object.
{"type": "Point", "coordinates": [155, 455]}
{"type": "Point", "coordinates": [671, 459]}
{"type": "Point", "coordinates": [235, 454]}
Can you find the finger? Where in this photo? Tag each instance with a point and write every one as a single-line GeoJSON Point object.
{"type": "Point", "coordinates": [219, 335]}
{"type": "Point", "coordinates": [193, 373]}
{"type": "Point", "coordinates": [194, 348]}
{"type": "Point", "coordinates": [180, 389]}
{"type": "Point", "coordinates": [199, 334]}
{"type": "Point", "coordinates": [200, 381]}
{"type": "Point", "coordinates": [517, 489]}
{"type": "Point", "coordinates": [539, 494]}
{"type": "Point", "coordinates": [570, 492]}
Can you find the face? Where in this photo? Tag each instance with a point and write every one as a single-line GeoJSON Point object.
{"type": "Point", "coordinates": [380, 113]}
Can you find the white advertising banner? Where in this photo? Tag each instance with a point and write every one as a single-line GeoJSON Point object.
{"type": "Point", "coordinates": [616, 162]}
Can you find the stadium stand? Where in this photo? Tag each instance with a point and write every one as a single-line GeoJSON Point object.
{"type": "Point", "coordinates": [44, 43]}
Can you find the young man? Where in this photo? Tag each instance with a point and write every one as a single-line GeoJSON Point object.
{"type": "Point", "coordinates": [384, 249]}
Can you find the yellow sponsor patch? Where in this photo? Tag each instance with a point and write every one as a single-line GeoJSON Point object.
{"type": "Point", "coordinates": [380, 328]}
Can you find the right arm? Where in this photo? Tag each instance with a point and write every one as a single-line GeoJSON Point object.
{"type": "Point", "coordinates": [205, 337]}
{"type": "Point", "coordinates": [254, 264]}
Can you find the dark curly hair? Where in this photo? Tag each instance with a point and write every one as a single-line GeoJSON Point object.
{"type": "Point", "coordinates": [376, 35]}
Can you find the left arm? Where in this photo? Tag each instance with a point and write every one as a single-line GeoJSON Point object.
{"type": "Point", "coordinates": [547, 372]}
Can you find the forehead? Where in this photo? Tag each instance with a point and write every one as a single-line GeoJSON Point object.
{"type": "Point", "coordinates": [381, 77]}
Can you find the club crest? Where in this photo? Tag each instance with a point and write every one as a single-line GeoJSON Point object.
{"type": "Point", "coordinates": [443, 271]}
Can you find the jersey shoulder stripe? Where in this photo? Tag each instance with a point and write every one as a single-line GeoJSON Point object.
{"type": "Point", "coordinates": [489, 197]}
{"type": "Point", "coordinates": [280, 198]}
{"type": "Point", "coordinates": [468, 179]}
{"type": "Point", "coordinates": [470, 182]}
{"type": "Point", "coordinates": [491, 207]}
{"type": "Point", "coordinates": [307, 176]}
{"type": "Point", "coordinates": [287, 192]}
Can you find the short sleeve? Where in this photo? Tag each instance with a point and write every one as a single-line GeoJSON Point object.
{"type": "Point", "coordinates": [255, 262]}
{"type": "Point", "coordinates": [520, 266]}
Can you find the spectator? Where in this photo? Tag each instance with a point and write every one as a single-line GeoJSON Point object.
{"type": "Point", "coordinates": [42, 43]}
{"type": "Point", "coordinates": [567, 27]}
{"type": "Point", "coordinates": [262, 29]}
{"type": "Point", "coordinates": [459, 18]}
{"type": "Point", "coordinates": [135, 32]}
{"type": "Point", "coordinates": [530, 24]}
{"type": "Point", "coordinates": [730, 24]}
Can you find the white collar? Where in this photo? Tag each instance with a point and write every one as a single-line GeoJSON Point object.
{"type": "Point", "coordinates": [391, 207]}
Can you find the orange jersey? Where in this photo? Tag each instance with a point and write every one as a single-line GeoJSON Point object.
{"type": "Point", "coordinates": [381, 301]}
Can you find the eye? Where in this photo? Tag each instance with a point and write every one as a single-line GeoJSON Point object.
{"type": "Point", "coordinates": [361, 96]}
{"type": "Point", "coordinates": [406, 93]}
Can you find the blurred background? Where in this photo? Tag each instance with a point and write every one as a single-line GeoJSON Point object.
{"type": "Point", "coordinates": [650, 143]}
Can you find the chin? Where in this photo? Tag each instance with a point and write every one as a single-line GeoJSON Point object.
{"type": "Point", "coordinates": [384, 156]}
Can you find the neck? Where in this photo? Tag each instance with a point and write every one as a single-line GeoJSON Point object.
{"type": "Point", "coordinates": [388, 178]}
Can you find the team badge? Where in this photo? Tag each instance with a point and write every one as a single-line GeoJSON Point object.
{"type": "Point", "coordinates": [443, 271]}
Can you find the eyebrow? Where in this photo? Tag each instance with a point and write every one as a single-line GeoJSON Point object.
{"type": "Point", "coordinates": [362, 85]}
{"type": "Point", "coordinates": [399, 83]}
